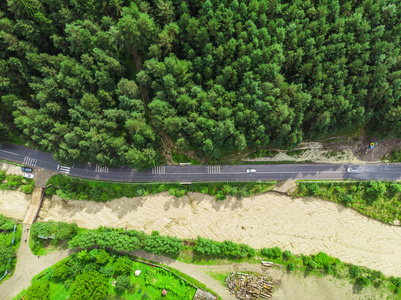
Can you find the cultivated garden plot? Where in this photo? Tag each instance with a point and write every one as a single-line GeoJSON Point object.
{"type": "Point", "coordinates": [106, 274]}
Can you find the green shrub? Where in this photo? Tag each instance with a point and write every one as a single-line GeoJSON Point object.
{"type": "Point", "coordinates": [27, 189]}
{"type": "Point", "coordinates": [313, 188]}
{"type": "Point", "coordinates": [313, 265]}
{"type": "Point", "coordinates": [362, 281]}
{"type": "Point", "coordinates": [272, 252]}
{"type": "Point", "coordinates": [394, 188]}
{"type": "Point", "coordinates": [2, 176]}
{"type": "Point", "coordinates": [107, 270]}
{"type": "Point", "coordinates": [322, 260]}
{"type": "Point", "coordinates": [396, 281]}
{"type": "Point", "coordinates": [354, 271]}
{"type": "Point", "coordinates": [375, 189]}
{"type": "Point", "coordinates": [50, 190]}
{"type": "Point", "coordinates": [61, 271]}
{"type": "Point", "coordinates": [131, 288]}
{"type": "Point", "coordinates": [122, 283]}
{"type": "Point", "coordinates": [347, 199]}
{"type": "Point", "coordinates": [291, 267]}
{"type": "Point", "coordinates": [286, 254]}
{"type": "Point", "coordinates": [123, 265]}
{"type": "Point", "coordinates": [38, 291]}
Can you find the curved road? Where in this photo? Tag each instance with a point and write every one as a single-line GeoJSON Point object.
{"type": "Point", "coordinates": [189, 173]}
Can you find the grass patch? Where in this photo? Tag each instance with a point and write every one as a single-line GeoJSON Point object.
{"type": "Point", "coordinates": [262, 152]}
{"type": "Point", "coordinates": [80, 189]}
{"type": "Point", "coordinates": [375, 199]}
{"type": "Point", "coordinates": [182, 158]}
{"type": "Point", "coordinates": [220, 276]}
{"type": "Point", "coordinates": [296, 153]}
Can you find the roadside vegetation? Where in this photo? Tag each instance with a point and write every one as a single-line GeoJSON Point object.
{"type": "Point", "coordinates": [206, 251]}
{"type": "Point", "coordinates": [393, 157]}
{"type": "Point", "coordinates": [375, 199]}
{"type": "Point", "coordinates": [9, 243]}
{"type": "Point", "coordinates": [16, 182]}
{"type": "Point", "coordinates": [182, 158]}
{"type": "Point", "coordinates": [100, 274]}
{"type": "Point", "coordinates": [81, 189]}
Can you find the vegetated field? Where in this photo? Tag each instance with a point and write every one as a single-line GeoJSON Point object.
{"type": "Point", "coordinates": [206, 251]}
{"type": "Point", "coordinates": [216, 76]}
{"type": "Point", "coordinates": [98, 273]}
{"type": "Point", "coordinates": [78, 189]}
{"type": "Point", "coordinates": [8, 258]}
{"type": "Point", "coordinates": [375, 199]}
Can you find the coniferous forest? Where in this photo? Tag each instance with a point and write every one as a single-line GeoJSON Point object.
{"type": "Point", "coordinates": [107, 81]}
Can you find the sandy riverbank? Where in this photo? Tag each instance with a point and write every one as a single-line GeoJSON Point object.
{"type": "Point", "coordinates": [299, 225]}
{"type": "Point", "coordinates": [14, 204]}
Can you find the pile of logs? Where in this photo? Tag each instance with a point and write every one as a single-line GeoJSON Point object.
{"type": "Point", "coordinates": [270, 264]}
{"type": "Point", "coordinates": [245, 286]}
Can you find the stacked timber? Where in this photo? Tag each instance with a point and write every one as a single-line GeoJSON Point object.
{"type": "Point", "coordinates": [252, 287]}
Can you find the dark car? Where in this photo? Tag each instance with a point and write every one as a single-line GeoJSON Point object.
{"type": "Point", "coordinates": [25, 169]}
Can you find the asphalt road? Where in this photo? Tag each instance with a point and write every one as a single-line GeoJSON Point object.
{"type": "Point", "coordinates": [189, 173]}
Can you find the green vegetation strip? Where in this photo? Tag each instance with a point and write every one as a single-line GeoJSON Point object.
{"type": "Point", "coordinates": [206, 251]}
{"type": "Point", "coordinates": [16, 182]}
{"type": "Point", "coordinates": [11, 163]}
{"type": "Point", "coordinates": [78, 189]}
{"type": "Point", "coordinates": [376, 199]}
{"type": "Point", "coordinates": [8, 249]}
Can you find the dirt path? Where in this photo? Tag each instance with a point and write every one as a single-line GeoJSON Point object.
{"type": "Point", "coordinates": [28, 265]}
{"type": "Point", "coordinates": [195, 271]}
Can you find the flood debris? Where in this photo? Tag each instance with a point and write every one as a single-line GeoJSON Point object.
{"type": "Point", "coordinates": [249, 286]}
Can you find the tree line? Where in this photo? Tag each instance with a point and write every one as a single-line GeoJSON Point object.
{"type": "Point", "coordinates": [99, 81]}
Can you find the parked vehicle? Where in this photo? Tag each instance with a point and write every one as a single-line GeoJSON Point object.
{"type": "Point", "coordinates": [27, 175]}
{"type": "Point", "coordinates": [26, 169]}
{"type": "Point", "coordinates": [250, 170]}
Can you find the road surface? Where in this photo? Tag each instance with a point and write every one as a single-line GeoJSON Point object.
{"type": "Point", "coordinates": [189, 173]}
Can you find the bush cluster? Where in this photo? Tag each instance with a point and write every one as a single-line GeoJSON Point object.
{"type": "Point", "coordinates": [54, 231]}
{"type": "Point", "coordinates": [15, 182]}
{"type": "Point", "coordinates": [224, 249]}
{"type": "Point", "coordinates": [376, 199]}
{"type": "Point", "coordinates": [108, 238]}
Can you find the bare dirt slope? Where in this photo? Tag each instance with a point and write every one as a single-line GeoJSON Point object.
{"type": "Point", "coordinates": [268, 220]}
{"type": "Point", "coordinates": [14, 204]}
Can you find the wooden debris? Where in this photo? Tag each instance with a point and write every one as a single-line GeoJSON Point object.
{"type": "Point", "coordinates": [249, 286]}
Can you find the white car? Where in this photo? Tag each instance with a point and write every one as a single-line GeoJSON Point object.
{"type": "Point", "coordinates": [352, 170]}
{"type": "Point", "coordinates": [250, 170]}
{"type": "Point", "coordinates": [27, 175]}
